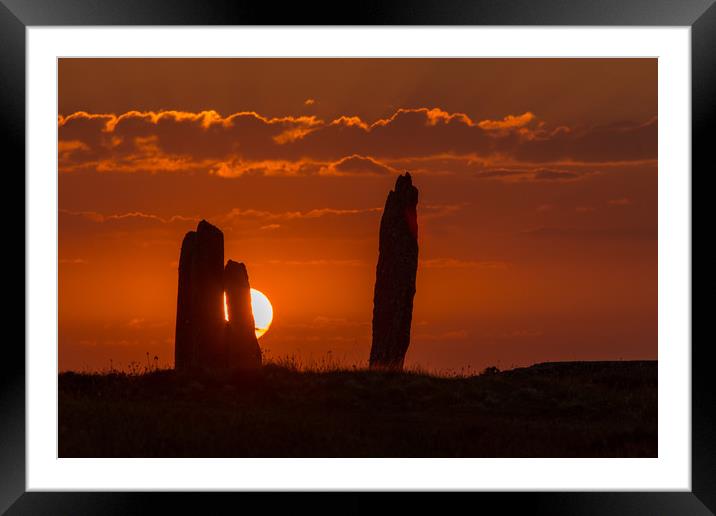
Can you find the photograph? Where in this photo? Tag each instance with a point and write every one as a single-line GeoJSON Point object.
{"type": "Point", "coordinates": [428, 250]}
{"type": "Point", "coordinates": [360, 257]}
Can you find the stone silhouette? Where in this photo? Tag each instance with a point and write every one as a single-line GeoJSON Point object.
{"type": "Point", "coordinates": [242, 346]}
{"type": "Point", "coordinates": [200, 307]}
{"type": "Point", "coordinates": [395, 276]}
{"type": "Point", "coordinates": [204, 339]}
{"type": "Point", "coordinates": [184, 339]}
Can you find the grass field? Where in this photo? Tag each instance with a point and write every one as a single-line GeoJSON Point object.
{"type": "Point", "coordinates": [567, 409]}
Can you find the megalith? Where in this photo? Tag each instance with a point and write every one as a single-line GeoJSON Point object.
{"type": "Point", "coordinates": [242, 346]}
{"type": "Point", "coordinates": [184, 339]}
{"type": "Point", "coordinates": [204, 339]}
{"type": "Point", "coordinates": [208, 293]}
{"type": "Point", "coordinates": [200, 309]}
{"type": "Point", "coordinates": [395, 276]}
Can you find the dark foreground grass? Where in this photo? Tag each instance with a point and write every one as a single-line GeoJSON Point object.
{"type": "Point", "coordinates": [569, 409]}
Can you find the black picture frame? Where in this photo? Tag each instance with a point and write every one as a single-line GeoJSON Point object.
{"type": "Point", "coordinates": [17, 15]}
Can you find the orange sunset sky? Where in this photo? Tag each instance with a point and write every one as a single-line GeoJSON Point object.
{"type": "Point", "coordinates": [537, 210]}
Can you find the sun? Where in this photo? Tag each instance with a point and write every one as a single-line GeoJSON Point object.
{"type": "Point", "coordinates": [262, 310]}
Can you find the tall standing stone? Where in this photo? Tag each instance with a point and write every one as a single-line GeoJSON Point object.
{"type": "Point", "coordinates": [208, 290]}
{"type": "Point", "coordinates": [242, 346]}
{"type": "Point", "coordinates": [200, 300]}
{"type": "Point", "coordinates": [184, 340]}
{"type": "Point", "coordinates": [395, 276]}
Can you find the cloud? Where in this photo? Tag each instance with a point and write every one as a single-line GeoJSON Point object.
{"type": "Point", "coordinates": [249, 143]}
{"type": "Point", "coordinates": [154, 228]}
{"type": "Point", "coordinates": [349, 165]}
{"type": "Point", "coordinates": [554, 175]}
{"type": "Point", "coordinates": [439, 211]}
{"type": "Point", "coordinates": [500, 173]}
{"type": "Point", "coordinates": [267, 218]}
{"type": "Point", "coordinates": [321, 224]}
{"type": "Point", "coordinates": [355, 164]}
{"type": "Point", "coordinates": [508, 122]}
{"type": "Point", "coordinates": [616, 142]}
{"type": "Point", "coordinates": [251, 214]}
{"type": "Point", "coordinates": [134, 215]}
{"type": "Point", "coordinates": [236, 167]}
{"type": "Point", "coordinates": [538, 174]}
{"type": "Point", "coordinates": [309, 102]}
{"type": "Point", "coordinates": [67, 147]}
{"type": "Point", "coordinates": [179, 137]}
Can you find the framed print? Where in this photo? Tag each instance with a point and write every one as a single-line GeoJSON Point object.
{"type": "Point", "coordinates": [438, 249]}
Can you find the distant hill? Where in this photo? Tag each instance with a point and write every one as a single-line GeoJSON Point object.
{"type": "Point", "coordinates": [553, 409]}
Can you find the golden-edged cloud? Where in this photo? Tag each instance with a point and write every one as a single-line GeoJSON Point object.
{"type": "Point", "coordinates": [249, 143]}
{"type": "Point", "coordinates": [357, 165]}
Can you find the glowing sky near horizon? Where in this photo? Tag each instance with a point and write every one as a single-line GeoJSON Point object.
{"type": "Point", "coordinates": [537, 211]}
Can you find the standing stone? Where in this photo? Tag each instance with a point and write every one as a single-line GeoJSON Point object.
{"type": "Point", "coordinates": [184, 341]}
{"type": "Point", "coordinates": [208, 290]}
{"type": "Point", "coordinates": [200, 300]}
{"type": "Point", "coordinates": [242, 346]}
{"type": "Point", "coordinates": [204, 338]}
{"type": "Point", "coordinates": [395, 276]}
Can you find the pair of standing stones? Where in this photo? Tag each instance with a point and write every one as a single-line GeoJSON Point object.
{"type": "Point", "coordinates": [206, 340]}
